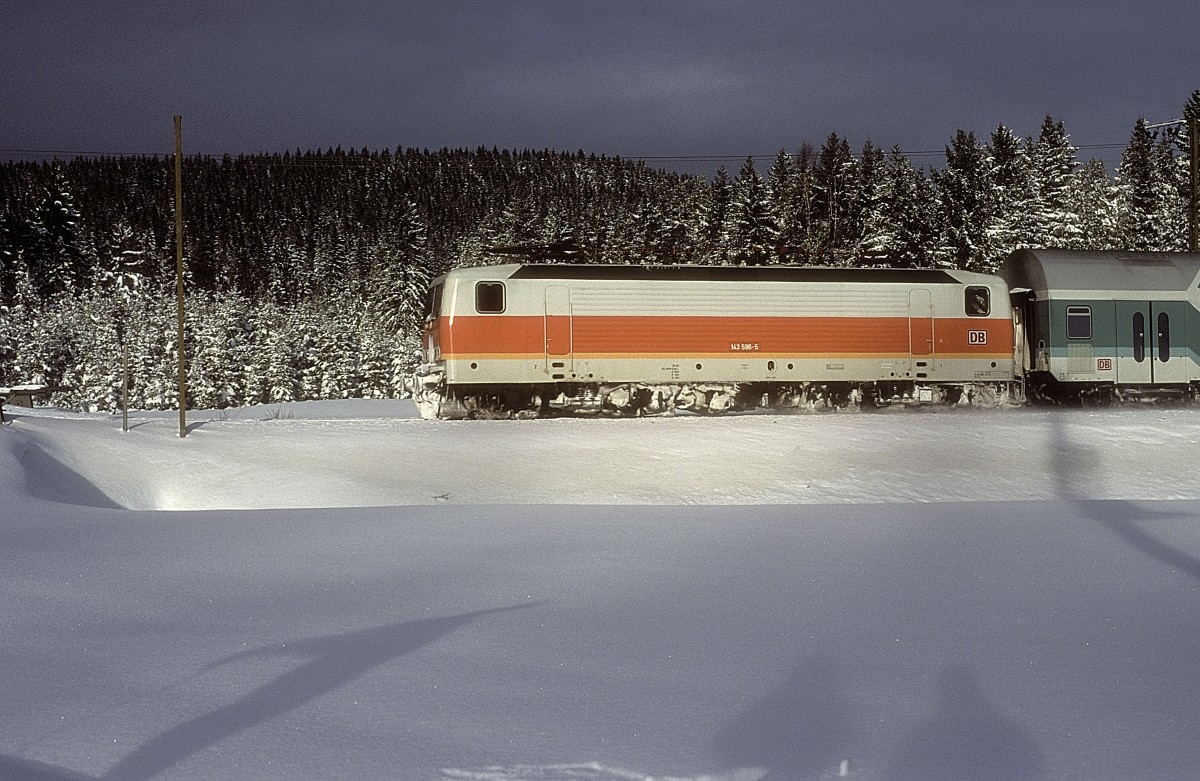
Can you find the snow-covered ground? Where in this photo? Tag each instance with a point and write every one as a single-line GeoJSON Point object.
{"type": "Point", "coordinates": [340, 590]}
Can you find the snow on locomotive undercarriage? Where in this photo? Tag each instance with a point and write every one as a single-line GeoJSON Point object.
{"type": "Point", "coordinates": [639, 400]}
{"type": "Point", "coordinates": [706, 398]}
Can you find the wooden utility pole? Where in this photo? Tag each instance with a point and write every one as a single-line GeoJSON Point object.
{"type": "Point", "coordinates": [179, 271]}
{"type": "Point", "coordinates": [124, 385]}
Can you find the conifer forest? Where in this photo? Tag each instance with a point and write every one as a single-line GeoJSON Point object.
{"type": "Point", "coordinates": [306, 272]}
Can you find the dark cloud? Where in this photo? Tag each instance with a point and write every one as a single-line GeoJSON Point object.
{"type": "Point", "coordinates": [679, 78]}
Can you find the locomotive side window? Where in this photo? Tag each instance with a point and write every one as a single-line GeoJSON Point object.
{"type": "Point", "coordinates": [978, 302]}
{"type": "Point", "coordinates": [489, 298]}
{"type": "Point", "coordinates": [1079, 322]}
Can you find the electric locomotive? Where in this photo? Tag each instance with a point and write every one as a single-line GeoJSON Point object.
{"type": "Point", "coordinates": [530, 340]}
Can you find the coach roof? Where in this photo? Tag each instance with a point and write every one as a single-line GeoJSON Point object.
{"type": "Point", "coordinates": [1055, 270]}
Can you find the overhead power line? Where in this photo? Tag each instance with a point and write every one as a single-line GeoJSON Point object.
{"type": "Point", "coordinates": [353, 153]}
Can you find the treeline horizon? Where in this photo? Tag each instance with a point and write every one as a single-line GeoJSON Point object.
{"type": "Point", "coordinates": [306, 271]}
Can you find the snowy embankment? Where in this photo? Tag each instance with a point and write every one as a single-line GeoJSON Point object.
{"type": "Point", "coordinates": [346, 592]}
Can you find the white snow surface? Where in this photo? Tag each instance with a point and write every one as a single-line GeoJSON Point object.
{"type": "Point", "coordinates": [340, 590]}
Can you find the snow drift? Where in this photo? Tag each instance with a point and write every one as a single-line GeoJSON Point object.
{"type": "Point", "coordinates": [344, 591]}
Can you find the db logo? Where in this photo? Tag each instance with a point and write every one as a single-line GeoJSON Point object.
{"type": "Point", "coordinates": [976, 337]}
{"type": "Point", "coordinates": [1104, 364]}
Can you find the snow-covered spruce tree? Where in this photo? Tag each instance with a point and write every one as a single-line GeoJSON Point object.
{"type": "Point", "coordinates": [339, 349]}
{"type": "Point", "coordinates": [715, 218]}
{"type": "Point", "coordinates": [869, 203]}
{"type": "Point", "coordinates": [1012, 195]}
{"type": "Point", "coordinates": [1052, 166]}
{"type": "Point", "coordinates": [49, 350]}
{"type": "Point", "coordinates": [679, 229]}
{"type": "Point", "coordinates": [92, 381]}
{"type": "Point", "coordinates": [10, 338]}
{"type": "Point", "coordinates": [14, 310]}
{"type": "Point", "coordinates": [1092, 199]}
{"type": "Point", "coordinates": [834, 179]}
{"type": "Point", "coordinates": [54, 257]}
{"type": "Point", "coordinates": [217, 357]}
{"type": "Point", "coordinates": [1176, 189]}
{"type": "Point", "coordinates": [904, 226]}
{"type": "Point", "coordinates": [15, 238]}
{"type": "Point", "coordinates": [752, 233]}
{"type": "Point", "coordinates": [781, 195]}
{"type": "Point", "coordinates": [279, 380]}
{"type": "Point", "coordinates": [260, 322]}
{"type": "Point", "coordinates": [1181, 143]}
{"type": "Point", "coordinates": [806, 237]}
{"type": "Point", "coordinates": [17, 321]}
{"type": "Point", "coordinates": [377, 348]}
{"type": "Point", "coordinates": [400, 274]}
{"type": "Point", "coordinates": [962, 188]}
{"type": "Point", "coordinates": [648, 226]}
{"type": "Point", "coordinates": [306, 321]}
{"type": "Point", "coordinates": [1144, 194]}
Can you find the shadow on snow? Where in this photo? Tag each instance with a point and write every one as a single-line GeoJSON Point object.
{"type": "Point", "coordinates": [333, 661]}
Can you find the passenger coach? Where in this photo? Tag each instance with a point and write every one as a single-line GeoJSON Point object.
{"type": "Point", "coordinates": [1105, 326]}
{"type": "Point", "coordinates": [528, 339]}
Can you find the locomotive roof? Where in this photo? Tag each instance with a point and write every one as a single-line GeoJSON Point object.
{"type": "Point", "coordinates": [691, 273]}
{"type": "Point", "coordinates": [1053, 270]}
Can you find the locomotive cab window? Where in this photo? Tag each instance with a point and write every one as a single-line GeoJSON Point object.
{"type": "Point", "coordinates": [1079, 322]}
{"type": "Point", "coordinates": [433, 302]}
{"type": "Point", "coordinates": [978, 301]}
{"type": "Point", "coordinates": [489, 298]}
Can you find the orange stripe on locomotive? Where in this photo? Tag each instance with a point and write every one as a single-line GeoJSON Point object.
{"type": "Point", "coordinates": [517, 336]}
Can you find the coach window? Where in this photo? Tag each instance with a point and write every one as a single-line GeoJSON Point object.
{"type": "Point", "coordinates": [1079, 322]}
{"type": "Point", "coordinates": [979, 302]}
{"type": "Point", "coordinates": [489, 298]}
{"type": "Point", "coordinates": [1164, 337]}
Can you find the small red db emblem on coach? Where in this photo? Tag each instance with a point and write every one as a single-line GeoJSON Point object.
{"type": "Point", "coordinates": [1104, 364]}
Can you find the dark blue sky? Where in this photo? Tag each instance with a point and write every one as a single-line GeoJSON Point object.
{"type": "Point", "coordinates": [639, 79]}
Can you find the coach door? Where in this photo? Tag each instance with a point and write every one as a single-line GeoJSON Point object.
{"type": "Point", "coordinates": [559, 332]}
{"type": "Point", "coordinates": [1151, 337]}
{"type": "Point", "coordinates": [920, 324]}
